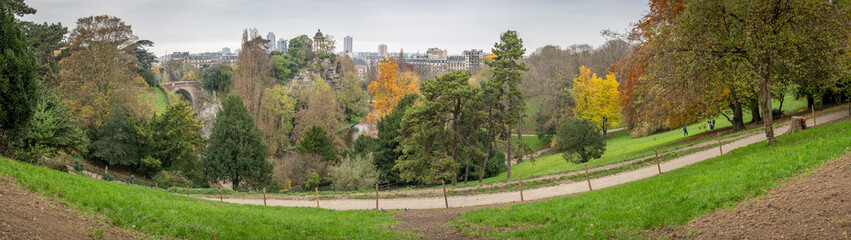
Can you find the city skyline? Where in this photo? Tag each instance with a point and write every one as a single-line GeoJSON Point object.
{"type": "Point", "coordinates": [208, 26]}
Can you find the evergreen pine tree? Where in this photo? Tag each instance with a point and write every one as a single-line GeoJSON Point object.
{"type": "Point", "coordinates": [235, 152]}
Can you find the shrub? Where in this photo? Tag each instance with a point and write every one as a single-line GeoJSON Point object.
{"type": "Point", "coordinates": [55, 164]}
{"type": "Point", "coordinates": [79, 166]}
{"type": "Point", "coordinates": [298, 167]}
{"type": "Point", "coordinates": [354, 173]}
{"type": "Point", "coordinates": [312, 181]}
{"type": "Point", "coordinates": [150, 165]}
{"type": "Point", "coordinates": [316, 141]}
{"type": "Point", "coordinates": [108, 177]}
{"type": "Point", "coordinates": [580, 141]}
{"type": "Point", "coordinates": [167, 179]}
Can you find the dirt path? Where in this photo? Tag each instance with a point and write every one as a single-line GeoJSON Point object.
{"type": "Point", "coordinates": [27, 215]}
{"type": "Point", "coordinates": [814, 206]}
{"type": "Point", "coordinates": [532, 194]}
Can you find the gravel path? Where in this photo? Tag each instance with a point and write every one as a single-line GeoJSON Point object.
{"type": "Point", "coordinates": [531, 194]}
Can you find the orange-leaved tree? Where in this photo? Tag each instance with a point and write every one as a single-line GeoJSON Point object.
{"type": "Point", "coordinates": [388, 89]}
{"type": "Point", "coordinates": [596, 99]}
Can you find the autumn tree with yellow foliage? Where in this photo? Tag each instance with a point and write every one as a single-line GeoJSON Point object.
{"type": "Point", "coordinates": [596, 99]}
{"type": "Point", "coordinates": [390, 87]}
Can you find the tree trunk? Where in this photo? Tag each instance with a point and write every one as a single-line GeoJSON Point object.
{"type": "Point", "coordinates": [738, 115]}
{"type": "Point", "coordinates": [508, 156]}
{"type": "Point", "coordinates": [520, 141]}
{"type": "Point", "coordinates": [757, 116]}
{"type": "Point", "coordinates": [488, 149]}
{"type": "Point", "coordinates": [605, 122]}
{"type": "Point", "coordinates": [765, 98]}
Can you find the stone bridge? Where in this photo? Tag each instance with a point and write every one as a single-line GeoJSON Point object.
{"type": "Point", "coordinates": [188, 91]}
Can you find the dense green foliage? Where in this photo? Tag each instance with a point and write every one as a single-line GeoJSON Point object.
{"type": "Point", "coordinates": [674, 198]}
{"type": "Point", "coordinates": [43, 39]}
{"type": "Point", "coordinates": [217, 78]}
{"type": "Point", "coordinates": [235, 152]}
{"type": "Point", "coordinates": [316, 141]}
{"type": "Point", "coordinates": [285, 69]}
{"type": "Point", "coordinates": [433, 133]}
{"type": "Point", "coordinates": [389, 129]}
{"type": "Point", "coordinates": [116, 142]}
{"type": "Point", "coordinates": [365, 144]}
{"type": "Point", "coordinates": [175, 140]}
{"type": "Point", "coordinates": [580, 141]}
{"type": "Point", "coordinates": [51, 129]}
{"type": "Point", "coordinates": [18, 79]}
{"type": "Point", "coordinates": [167, 215]}
{"type": "Point", "coordinates": [353, 97]}
{"type": "Point", "coordinates": [145, 60]}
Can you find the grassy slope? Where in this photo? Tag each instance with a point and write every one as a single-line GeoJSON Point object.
{"type": "Point", "coordinates": [166, 214]}
{"type": "Point", "coordinates": [674, 198]}
{"type": "Point", "coordinates": [156, 97]}
{"type": "Point", "coordinates": [624, 147]}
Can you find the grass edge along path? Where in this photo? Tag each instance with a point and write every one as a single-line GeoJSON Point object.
{"type": "Point", "coordinates": [164, 214]}
{"type": "Point", "coordinates": [673, 198]}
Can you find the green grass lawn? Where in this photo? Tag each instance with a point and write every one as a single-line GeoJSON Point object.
{"type": "Point", "coordinates": [674, 198]}
{"type": "Point", "coordinates": [534, 143]}
{"type": "Point", "coordinates": [157, 98]}
{"type": "Point", "coordinates": [622, 147]}
{"type": "Point", "coordinates": [165, 214]}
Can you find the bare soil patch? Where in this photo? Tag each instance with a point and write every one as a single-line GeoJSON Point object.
{"type": "Point", "coordinates": [28, 215]}
{"type": "Point", "coordinates": [434, 223]}
{"type": "Point", "coordinates": [811, 206]}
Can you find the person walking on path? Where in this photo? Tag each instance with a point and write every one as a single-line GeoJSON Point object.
{"type": "Point", "coordinates": [685, 130]}
{"type": "Point", "coordinates": [132, 179]}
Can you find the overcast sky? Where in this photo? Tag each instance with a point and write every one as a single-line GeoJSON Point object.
{"type": "Point", "coordinates": [209, 25]}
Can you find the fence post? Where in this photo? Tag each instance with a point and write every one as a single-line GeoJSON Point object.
{"type": "Point", "coordinates": [720, 149]}
{"type": "Point", "coordinates": [264, 197]}
{"type": "Point", "coordinates": [814, 115]}
{"type": "Point", "coordinates": [221, 197]}
{"type": "Point", "coordinates": [587, 178]}
{"type": "Point", "coordinates": [521, 186]}
{"type": "Point", "coordinates": [187, 190]}
{"type": "Point", "coordinates": [376, 197]}
{"type": "Point", "coordinates": [658, 165]}
{"type": "Point", "coordinates": [445, 199]}
{"type": "Point", "coordinates": [317, 196]}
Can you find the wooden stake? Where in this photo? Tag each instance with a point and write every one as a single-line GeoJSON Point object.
{"type": "Point", "coordinates": [445, 200]}
{"type": "Point", "coordinates": [317, 197]}
{"type": "Point", "coordinates": [521, 186]}
{"type": "Point", "coordinates": [814, 115]}
{"type": "Point", "coordinates": [221, 198]}
{"type": "Point", "coordinates": [187, 190]}
{"type": "Point", "coordinates": [658, 165]}
{"type": "Point", "coordinates": [720, 148]}
{"type": "Point", "coordinates": [376, 197]}
{"type": "Point", "coordinates": [587, 178]}
{"type": "Point", "coordinates": [264, 197]}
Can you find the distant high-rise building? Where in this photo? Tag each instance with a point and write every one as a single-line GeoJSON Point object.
{"type": "Point", "coordinates": [474, 59]}
{"type": "Point", "coordinates": [271, 44]}
{"type": "Point", "coordinates": [382, 50]}
{"type": "Point", "coordinates": [282, 45]}
{"type": "Point", "coordinates": [226, 50]}
{"type": "Point", "coordinates": [347, 45]}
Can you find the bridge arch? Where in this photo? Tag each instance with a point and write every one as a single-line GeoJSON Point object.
{"type": "Point", "coordinates": [185, 95]}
